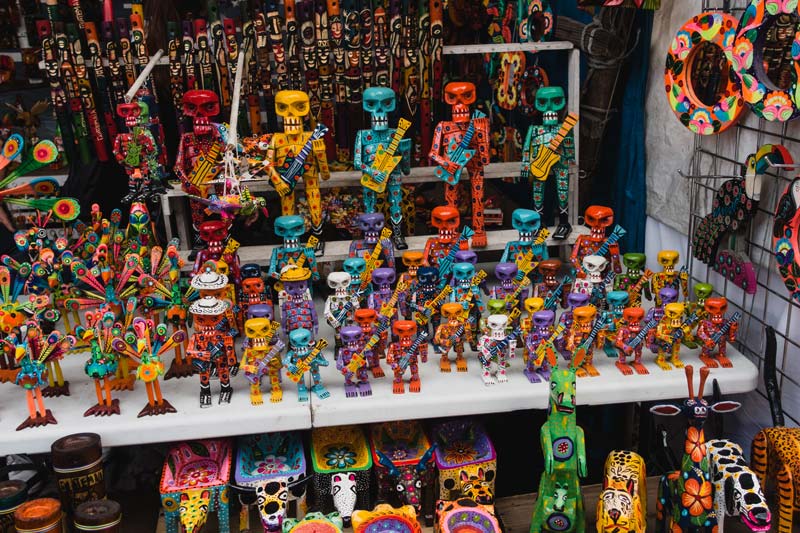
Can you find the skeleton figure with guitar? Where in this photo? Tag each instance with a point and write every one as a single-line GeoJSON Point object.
{"type": "Point", "coordinates": [460, 143]}
{"type": "Point", "coordinates": [548, 150]}
{"type": "Point", "coordinates": [383, 156]}
{"type": "Point", "coordinates": [296, 154]}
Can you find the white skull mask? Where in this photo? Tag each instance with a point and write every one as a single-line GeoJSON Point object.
{"type": "Point", "coordinates": [339, 282]}
{"type": "Point", "coordinates": [594, 265]}
{"type": "Point", "coordinates": [497, 326]}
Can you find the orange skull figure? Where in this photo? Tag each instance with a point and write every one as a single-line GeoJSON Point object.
{"type": "Point", "coordinates": [405, 353]}
{"type": "Point", "coordinates": [598, 218]}
{"type": "Point", "coordinates": [447, 151]}
{"type": "Point", "coordinates": [447, 220]}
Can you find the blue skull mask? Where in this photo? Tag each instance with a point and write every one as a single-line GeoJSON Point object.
{"type": "Point", "coordinates": [300, 338]}
{"type": "Point", "coordinates": [379, 102]}
{"type": "Point", "coordinates": [290, 228]}
{"type": "Point", "coordinates": [527, 222]}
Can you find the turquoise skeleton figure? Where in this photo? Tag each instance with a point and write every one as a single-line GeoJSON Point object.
{"type": "Point", "coordinates": [379, 102]}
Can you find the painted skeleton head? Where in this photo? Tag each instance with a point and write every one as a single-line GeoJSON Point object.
{"type": "Point", "coordinates": [594, 265]}
{"type": "Point", "coordinates": [459, 95]}
{"type": "Point", "coordinates": [339, 282]}
{"type": "Point", "coordinates": [202, 105]}
{"type": "Point", "coordinates": [497, 326]}
{"type": "Point", "coordinates": [446, 219]}
{"type": "Point", "coordinates": [370, 225]}
{"type": "Point", "coordinates": [506, 274]}
{"type": "Point", "coordinates": [527, 222]}
{"type": "Point", "coordinates": [412, 259]}
{"type": "Point", "coordinates": [716, 306]}
{"type": "Point", "coordinates": [598, 218]}
{"type": "Point", "coordinates": [379, 102]}
{"type": "Point", "coordinates": [290, 228]}
{"type": "Point", "coordinates": [355, 266]}
{"type": "Point", "coordinates": [463, 274]}
{"type": "Point", "coordinates": [293, 107]}
{"type": "Point", "coordinates": [668, 259]}
{"type": "Point", "coordinates": [549, 102]}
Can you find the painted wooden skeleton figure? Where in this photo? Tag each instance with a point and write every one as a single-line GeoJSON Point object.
{"type": "Point", "coordinates": [137, 151]}
{"type": "Point", "coordinates": [196, 163]}
{"type": "Point", "coordinates": [210, 347]}
{"type": "Point", "coordinates": [549, 102]}
{"type": "Point", "coordinates": [284, 148]}
{"type": "Point", "coordinates": [353, 342]}
{"type": "Point", "coordinates": [379, 102]}
{"type": "Point", "coordinates": [452, 335]}
{"type": "Point", "coordinates": [340, 306]}
{"type": "Point", "coordinates": [446, 139]}
{"type": "Point", "coordinates": [496, 348]}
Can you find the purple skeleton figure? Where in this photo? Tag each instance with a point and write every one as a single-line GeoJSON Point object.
{"type": "Point", "coordinates": [352, 345]}
{"type": "Point", "coordinates": [574, 300]}
{"type": "Point", "coordinates": [507, 275]}
{"type": "Point", "coordinates": [371, 225]}
{"type": "Point", "coordinates": [340, 306]}
{"type": "Point", "coordinates": [297, 311]}
{"type": "Point", "coordinates": [538, 368]}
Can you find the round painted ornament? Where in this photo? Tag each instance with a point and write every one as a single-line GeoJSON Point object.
{"type": "Point", "coordinates": [766, 39]}
{"type": "Point", "coordinates": [702, 88]}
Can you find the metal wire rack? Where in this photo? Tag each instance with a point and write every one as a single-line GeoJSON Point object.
{"type": "Point", "coordinates": [714, 160]}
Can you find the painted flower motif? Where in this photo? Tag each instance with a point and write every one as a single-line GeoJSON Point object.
{"type": "Point", "coordinates": [777, 106]}
{"type": "Point", "coordinates": [701, 123]}
{"type": "Point", "coordinates": [695, 444]}
{"type": "Point", "coordinates": [681, 45]}
{"type": "Point", "coordinates": [742, 55]}
{"type": "Point", "coordinates": [271, 465]}
{"type": "Point", "coordinates": [696, 497]}
{"type": "Point", "coordinates": [460, 453]}
{"type": "Point", "coordinates": [397, 452]}
{"type": "Point", "coordinates": [196, 476]}
{"type": "Point", "coordinates": [340, 457]}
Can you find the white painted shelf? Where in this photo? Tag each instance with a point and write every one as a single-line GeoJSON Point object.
{"type": "Point", "coordinates": [459, 394]}
{"type": "Point", "coordinates": [352, 178]}
{"type": "Point", "coordinates": [338, 250]}
{"type": "Point", "coordinates": [453, 394]}
{"type": "Point", "coordinates": [189, 422]}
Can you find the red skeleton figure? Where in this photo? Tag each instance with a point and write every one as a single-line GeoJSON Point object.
{"type": "Point", "coordinates": [459, 96]}
{"type": "Point", "coordinates": [201, 106]}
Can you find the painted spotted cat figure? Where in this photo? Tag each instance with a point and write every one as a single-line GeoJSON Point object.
{"type": "Point", "coordinates": [737, 491]}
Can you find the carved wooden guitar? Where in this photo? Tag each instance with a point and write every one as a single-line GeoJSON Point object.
{"type": "Point", "coordinates": [446, 263]}
{"type": "Point", "coordinates": [548, 155]}
{"type": "Point", "coordinates": [373, 259]}
{"type": "Point", "coordinates": [295, 166]}
{"type": "Point", "coordinates": [385, 159]}
{"type": "Point", "coordinates": [460, 154]}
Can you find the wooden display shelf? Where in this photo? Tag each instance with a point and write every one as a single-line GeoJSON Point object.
{"type": "Point", "coordinates": [463, 393]}
{"type": "Point", "coordinates": [338, 250]}
{"type": "Point", "coordinates": [352, 178]}
{"type": "Point", "coordinates": [125, 429]}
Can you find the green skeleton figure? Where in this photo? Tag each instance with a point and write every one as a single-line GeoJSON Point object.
{"type": "Point", "coordinates": [559, 507]}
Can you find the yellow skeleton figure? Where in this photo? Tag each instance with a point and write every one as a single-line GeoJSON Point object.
{"type": "Point", "coordinates": [293, 107]}
{"type": "Point", "coordinates": [667, 338]}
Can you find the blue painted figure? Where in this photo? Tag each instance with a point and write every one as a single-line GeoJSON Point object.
{"type": "Point", "coordinates": [304, 355]}
{"type": "Point", "coordinates": [291, 228]}
{"type": "Point", "coordinates": [528, 224]}
{"type": "Point", "coordinates": [382, 157]}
